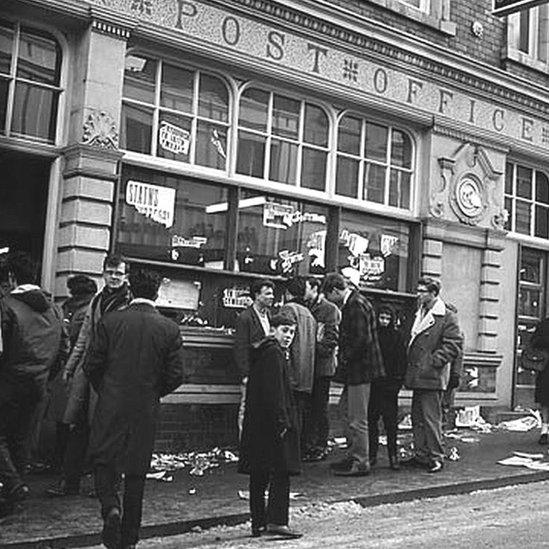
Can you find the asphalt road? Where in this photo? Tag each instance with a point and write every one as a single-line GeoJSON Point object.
{"type": "Point", "coordinates": [511, 517]}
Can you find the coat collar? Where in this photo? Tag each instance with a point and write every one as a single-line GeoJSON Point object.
{"type": "Point", "coordinates": [141, 302]}
{"type": "Point", "coordinates": [422, 324]}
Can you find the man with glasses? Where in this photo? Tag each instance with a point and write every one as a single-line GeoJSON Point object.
{"type": "Point", "coordinates": [435, 342]}
{"type": "Point", "coordinates": [114, 296]}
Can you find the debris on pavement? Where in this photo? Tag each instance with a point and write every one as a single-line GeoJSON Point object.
{"type": "Point", "coordinates": [465, 437]}
{"type": "Point", "coordinates": [453, 454]}
{"type": "Point", "coordinates": [406, 423]}
{"type": "Point", "coordinates": [161, 476]}
{"type": "Point", "coordinates": [245, 495]}
{"type": "Point", "coordinates": [338, 442]}
{"type": "Point", "coordinates": [524, 459]}
{"type": "Point", "coordinates": [523, 424]}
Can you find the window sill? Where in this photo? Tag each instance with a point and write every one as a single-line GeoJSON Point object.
{"type": "Point", "coordinates": [428, 19]}
{"type": "Point", "coordinates": [524, 59]}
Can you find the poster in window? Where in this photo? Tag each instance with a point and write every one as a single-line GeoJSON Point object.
{"type": "Point", "coordinates": [179, 294]}
{"type": "Point", "coordinates": [173, 138]}
{"type": "Point", "coordinates": [156, 203]}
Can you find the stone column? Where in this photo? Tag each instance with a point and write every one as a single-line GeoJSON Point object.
{"type": "Point", "coordinates": [431, 257]}
{"type": "Point", "coordinates": [92, 158]}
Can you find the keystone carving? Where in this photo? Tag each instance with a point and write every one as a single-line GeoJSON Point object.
{"type": "Point", "coordinates": [100, 130]}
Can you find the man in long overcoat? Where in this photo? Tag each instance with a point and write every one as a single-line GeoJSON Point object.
{"type": "Point", "coordinates": [359, 363]}
{"type": "Point", "coordinates": [135, 359]}
{"type": "Point", "coordinates": [435, 341]}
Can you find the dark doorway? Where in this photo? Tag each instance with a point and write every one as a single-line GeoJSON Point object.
{"type": "Point", "coordinates": [23, 202]}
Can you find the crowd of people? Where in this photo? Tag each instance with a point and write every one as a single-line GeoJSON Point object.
{"type": "Point", "coordinates": [328, 331]}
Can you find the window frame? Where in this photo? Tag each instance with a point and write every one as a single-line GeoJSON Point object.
{"type": "Point", "coordinates": [18, 26]}
{"type": "Point", "coordinates": [362, 159]}
{"type": "Point", "coordinates": [269, 136]}
{"type": "Point", "coordinates": [157, 109]}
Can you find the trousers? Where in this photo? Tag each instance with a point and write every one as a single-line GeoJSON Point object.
{"type": "Point", "coordinates": [383, 405]}
{"type": "Point", "coordinates": [427, 424]}
{"type": "Point", "coordinates": [277, 511]}
{"type": "Point", "coordinates": [316, 427]}
{"type": "Point", "coordinates": [107, 486]}
{"type": "Point", "coordinates": [354, 406]}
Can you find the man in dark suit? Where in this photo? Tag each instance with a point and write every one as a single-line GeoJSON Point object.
{"type": "Point", "coordinates": [359, 362]}
{"type": "Point", "coordinates": [252, 326]}
{"type": "Point", "coordinates": [135, 359]}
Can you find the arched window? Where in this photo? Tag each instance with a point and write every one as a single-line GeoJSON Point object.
{"type": "Point", "coordinates": [374, 162]}
{"type": "Point", "coordinates": [175, 113]}
{"type": "Point", "coordinates": [527, 200]}
{"type": "Point", "coordinates": [30, 69]}
{"type": "Point", "coordinates": [282, 139]}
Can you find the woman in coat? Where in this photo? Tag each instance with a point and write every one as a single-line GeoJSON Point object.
{"type": "Point", "coordinates": [269, 450]}
{"type": "Point", "coordinates": [540, 340]}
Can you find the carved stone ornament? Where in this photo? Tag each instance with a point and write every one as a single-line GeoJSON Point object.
{"type": "Point", "coordinates": [469, 199]}
{"type": "Point", "coordinates": [100, 130]}
{"type": "Point", "coordinates": [500, 219]}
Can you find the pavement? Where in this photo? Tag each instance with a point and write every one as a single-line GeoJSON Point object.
{"type": "Point", "coordinates": [191, 503]}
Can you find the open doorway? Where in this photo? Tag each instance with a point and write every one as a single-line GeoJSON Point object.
{"type": "Point", "coordinates": [24, 183]}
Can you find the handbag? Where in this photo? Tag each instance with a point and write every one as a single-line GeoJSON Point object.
{"type": "Point", "coordinates": [534, 359]}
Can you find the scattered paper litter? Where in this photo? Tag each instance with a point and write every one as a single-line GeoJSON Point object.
{"type": "Point", "coordinates": [515, 461]}
{"type": "Point", "coordinates": [162, 476]}
{"type": "Point", "coordinates": [197, 462]}
{"type": "Point", "coordinates": [462, 437]}
{"type": "Point", "coordinates": [245, 494]}
{"type": "Point", "coordinates": [406, 423]}
{"type": "Point", "coordinates": [524, 459]}
{"type": "Point", "coordinates": [338, 442]}
{"type": "Point", "coordinates": [520, 425]}
{"type": "Point", "coordinates": [453, 454]}
{"type": "Point", "coordinates": [467, 416]}
{"type": "Point", "coordinates": [528, 456]}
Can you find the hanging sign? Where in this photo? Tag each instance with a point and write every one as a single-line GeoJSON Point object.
{"type": "Point", "coordinates": [174, 139]}
{"type": "Point", "coordinates": [154, 202]}
{"type": "Point", "coordinates": [284, 216]}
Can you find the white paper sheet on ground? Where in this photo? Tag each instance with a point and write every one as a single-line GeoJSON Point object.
{"type": "Point", "coordinates": [528, 456]}
{"type": "Point", "coordinates": [468, 416]}
{"type": "Point", "coordinates": [245, 494]}
{"type": "Point", "coordinates": [521, 425]}
{"type": "Point", "coordinates": [539, 465]}
{"type": "Point", "coordinates": [162, 476]}
{"type": "Point", "coordinates": [516, 461]}
{"type": "Point", "coordinates": [406, 423]}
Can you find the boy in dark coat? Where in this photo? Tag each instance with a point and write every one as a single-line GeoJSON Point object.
{"type": "Point", "coordinates": [269, 447]}
{"type": "Point", "coordinates": [384, 390]}
{"type": "Point", "coordinates": [135, 358]}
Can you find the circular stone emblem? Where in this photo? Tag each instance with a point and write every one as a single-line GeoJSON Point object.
{"type": "Point", "coordinates": [469, 199]}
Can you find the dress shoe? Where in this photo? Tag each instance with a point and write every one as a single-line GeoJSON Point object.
{"type": "Point", "coordinates": [342, 464]}
{"type": "Point", "coordinates": [62, 489]}
{"type": "Point", "coordinates": [414, 461]}
{"type": "Point", "coordinates": [111, 535]}
{"type": "Point", "coordinates": [435, 466]}
{"type": "Point", "coordinates": [355, 469]}
{"type": "Point", "coordinates": [543, 439]}
{"type": "Point", "coordinates": [283, 531]}
{"type": "Point", "coordinates": [258, 531]}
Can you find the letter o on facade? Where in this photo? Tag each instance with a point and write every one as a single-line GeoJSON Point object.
{"type": "Point", "coordinates": [380, 81]}
{"type": "Point", "coordinates": [230, 29]}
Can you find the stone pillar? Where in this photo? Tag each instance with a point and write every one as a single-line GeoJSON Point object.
{"type": "Point", "coordinates": [92, 158]}
{"type": "Point", "coordinates": [431, 257]}
{"type": "Point", "coordinates": [490, 278]}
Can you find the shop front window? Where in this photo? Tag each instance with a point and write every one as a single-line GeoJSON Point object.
{"type": "Point", "coordinates": [527, 200]}
{"type": "Point", "coordinates": [278, 236]}
{"type": "Point", "coordinates": [374, 162]}
{"type": "Point", "coordinates": [30, 64]}
{"type": "Point", "coordinates": [282, 139]}
{"type": "Point", "coordinates": [170, 219]}
{"type": "Point", "coordinates": [174, 113]}
{"type": "Point", "coordinates": [376, 248]}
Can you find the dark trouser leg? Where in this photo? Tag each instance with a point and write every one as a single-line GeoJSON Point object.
{"type": "Point", "coordinates": [316, 427]}
{"type": "Point", "coordinates": [374, 413]}
{"type": "Point", "coordinates": [107, 484]}
{"type": "Point", "coordinates": [302, 401]}
{"type": "Point", "coordinates": [390, 418]}
{"type": "Point", "coordinates": [418, 427]}
{"type": "Point", "coordinates": [134, 486]}
{"type": "Point", "coordinates": [259, 480]}
{"type": "Point", "coordinates": [61, 438]}
{"type": "Point", "coordinates": [75, 454]}
{"type": "Point", "coordinates": [431, 403]}
{"type": "Point", "coordinates": [279, 499]}
{"type": "Point", "coordinates": [358, 399]}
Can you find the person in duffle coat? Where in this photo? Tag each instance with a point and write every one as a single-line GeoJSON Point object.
{"type": "Point", "coordinates": [435, 342]}
{"type": "Point", "coordinates": [134, 359]}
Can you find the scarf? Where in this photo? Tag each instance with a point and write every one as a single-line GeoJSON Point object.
{"type": "Point", "coordinates": [112, 300]}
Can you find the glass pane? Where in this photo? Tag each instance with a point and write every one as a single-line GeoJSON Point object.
{"type": "Point", "coordinates": [347, 177]}
{"type": "Point", "coordinates": [39, 58]}
{"type": "Point", "coordinates": [529, 302]}
{"type": "Point", "coordinates": [376, 248]}
{"type": "Point", "coordinates": [251, 154]}
{"type": "Point", "coordinates": [543, 32]}
{"type": "Point", "coordinates": [286, 117]}
{"type": "Point", "coordinates": [509, 208]}
{"type": "Point", "coordinates": [4, 86]}
{"type": "Point", "coordinates": [313, 169]}
{"type": "Point", "coordinates": [283, 166]}
{"type": "Point", "coordinates": [177, 87]}
{"type": "Point", "coordinates": [524, 31]}
{"type": "Point", "coordinates": [374, 183]}
{"type": "Point", "coordinates": [280, 236]}
{"type": "Point", "coordinates": [174, 137]}
{"type": "Point", "coordinates": [522, 217]}
{"type": "Point", "coordinates": [349, 135]}
{"type": "Point", "coordinates": [254, 106]}
{"type": "Point", "coordinates": [531, 265]}
{"type": "Point", "coordinates": [6, 47]}
{"type": "Point", "coordinates": [375, 147]}
{"type": "Point", "coordinates": [136, 129]}
{"type": "Point", "coordinates": [401, 149]}
{"type": "Point", "coordinates": [399, 189]}
{"type": "Point", "coordinates": [524, 182]}
{"type": "Point", "coordinates": [316, 126]}
{"type": "Point", "coordinates": [509, 168]}
{"type": "Point", "coordinates": [171, 219]}
{"type": "Point", "coordinates": [34, 112]}
{"type": "Point", "coordinates": [211, 145]}
{"type": "Point", "coordinates": [213, 99]}
{"type": "Point", "coordinates": [542, 187]}
{"type": "Point", "coordinates": [541, 228]}
{"type": "Point", "coordinates": [139, 78]}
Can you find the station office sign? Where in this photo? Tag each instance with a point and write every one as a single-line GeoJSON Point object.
{"type": "Point", "coordinates": [506, 7]}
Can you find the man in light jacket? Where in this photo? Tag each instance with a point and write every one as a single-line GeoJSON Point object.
{"type": "Point", "coordinates": [435, 342]}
